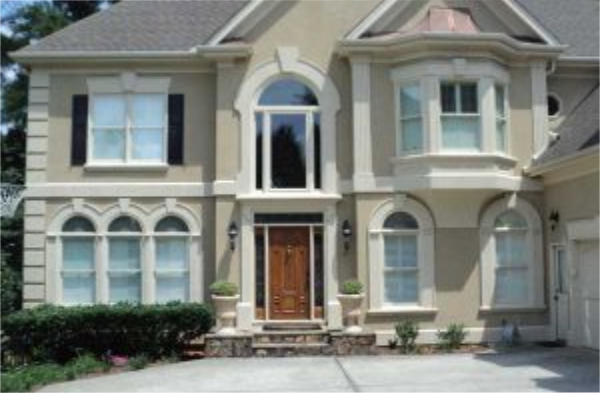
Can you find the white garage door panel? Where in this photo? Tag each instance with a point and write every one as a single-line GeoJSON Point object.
{"type": "Point", "coordinates": [589, 272]}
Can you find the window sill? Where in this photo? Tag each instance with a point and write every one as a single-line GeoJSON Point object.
{"type": "Point", "coordinates": [458, 157]}
{"type": "Point", "coordinates": [126, 167]}
{"type": "Point", "coordinates": [512, 309]}
{"type": "Point", "coordinates": [380, 312]}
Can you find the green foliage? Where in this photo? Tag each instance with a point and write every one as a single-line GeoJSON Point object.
{"type": "Point", "coordinates": [453, 337]}
{"type": "Point", "coordinates": [10, 289]}
{"type": "Point", "coordinates": [224, 288]}
{"type": "Point", "coordinates": [407, 332]}
{"type": "Point", "coordinates": [351, 287]}
{"type": "Point", "coordinates": [25, 378]}
{"type": "Point", "coordinates": [51, 333]}
{"type": "Point", "coordinates": [138, 362]}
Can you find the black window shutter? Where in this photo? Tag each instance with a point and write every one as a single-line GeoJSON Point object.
{"type": "Point", "coordinates": [175, 147]}
{"type": "Point", "coordinates": [79, 117]}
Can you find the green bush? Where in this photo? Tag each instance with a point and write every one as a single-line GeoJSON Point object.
{"type": "Point", "coordinates": [351, 287]}
{"type": "Point", "coordinates": [453, 337]}
{"type": "Point", "coordinates": [51, 333]}
{"type": "Point", "coordinates": [25, 378]}
{"type": "Point", "coordinates": [10, 289]}
{"type": "Point", "coordinates": [407, 332]}
{"type": "Point", "coordinates": [224, 288]}
{"type": "Point", "coordinates": [139, 362]}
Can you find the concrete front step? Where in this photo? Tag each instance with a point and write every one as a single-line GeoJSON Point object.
{"type": "Point", "coordinates": [289, 349]}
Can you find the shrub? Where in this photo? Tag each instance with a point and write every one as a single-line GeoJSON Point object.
{"type": "Point", "coordinates": [10, 289]}
{"type": "Point", "coordinates": [51, 333]}
{"type": "Point", "coordinates": [352, 287]}
{"type": "Point", "coordinates": [453, 337]}
{"type": "Point", "coordinates": [224, 288]}
{"type": "Point", "coordinates": [407, 332]}
{"type": "Point", "coordinates": [139, 362]}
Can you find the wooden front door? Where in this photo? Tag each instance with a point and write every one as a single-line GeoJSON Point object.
{"type": "Point", "coordinates": [289, 276]}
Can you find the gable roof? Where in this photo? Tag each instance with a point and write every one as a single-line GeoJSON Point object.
{"type": "Point", "coordinates": [138, 26]}
{"type": "Point", "coordinates": [578, 132]}
{"type": "Point", "coordinates": [574, 23]}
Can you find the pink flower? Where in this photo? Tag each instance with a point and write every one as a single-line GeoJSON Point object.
{"type": "Point", "coordinates": [118, 361]}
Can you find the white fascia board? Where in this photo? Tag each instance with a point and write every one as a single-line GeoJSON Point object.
{"type": "Point", "coordinates": [234, 22]}
{"type": "Point", "coordinates": [373, 17]}
{"type": "Point", "coordinates": [562, 162]}
{"type": "Point", "coordinates": [531, 22]}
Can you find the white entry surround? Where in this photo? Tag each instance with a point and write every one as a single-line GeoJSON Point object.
{"type": "Point", "coordinates": [246, 306]}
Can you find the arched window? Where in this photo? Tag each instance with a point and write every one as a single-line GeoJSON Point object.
{"type": "Point", "coordinates": [401, 260]}
{"type": "Point", "coordinates": [512, 267]}
{"type": "Point", "coordinates": [401, 257]}
{"type": "Point", "coordinates": [78, 262]}
{"type": "Point", "coordinates": [124, 260]}
{"type": "Point", "coordinates": [172, 260]}
{"type": "Point", "coordinates": [288, 137]}
{"type": "Point", "coordinates": [512, 272]}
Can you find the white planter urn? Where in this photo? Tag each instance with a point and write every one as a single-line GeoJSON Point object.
{"type": "Point", "coordinates": [225, 309]}
{"type": "Point", "coordinates": [351, 311]}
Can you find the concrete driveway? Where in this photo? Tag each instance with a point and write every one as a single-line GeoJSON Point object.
{"type": "Point", "coordinates": [527, 369]}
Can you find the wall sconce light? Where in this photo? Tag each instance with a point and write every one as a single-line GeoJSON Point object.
{"type": "Point", "coordinates": [554, 218]}
{"type": "Point", "coordinates": [346, 234]}
{"type": "Point", "coordinates": [232, 233]}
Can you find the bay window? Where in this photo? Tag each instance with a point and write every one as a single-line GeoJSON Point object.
{"type": "Point", "coordinates": [410, 118]}
{"type": "Point", "coordinates": [501, 118]}
{"type": "Point", "coordinates": [461, 128]}
{"type": "Point", "coordinates": [172, 260]}
{"type": "Point", "coordinates": [124, 260]}
{"type": "Point", "coordinates": [128, 128]}
{"type": "Point", "coordinates": [78, 262]}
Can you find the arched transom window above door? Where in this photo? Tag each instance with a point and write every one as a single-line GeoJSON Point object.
{"type": "Point", "coordinates": [288, 137]}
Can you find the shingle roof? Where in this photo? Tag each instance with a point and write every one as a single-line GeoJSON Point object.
{"type": "Point", "coordinates": [579, 131]}
{"type": "Point", "coordinates": [133, 25]}
{"type": "Point", "coordinates": [574, 23]}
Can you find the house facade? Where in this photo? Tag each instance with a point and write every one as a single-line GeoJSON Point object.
{"type": "Point", "coordinates": [443, 153]}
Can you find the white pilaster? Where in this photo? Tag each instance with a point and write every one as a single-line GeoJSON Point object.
{"type": "Point", "coordinates": [539, 106]}
{"type": "Point", "coordinates": [361, 116]}
{"type": "Point", "coordinates": [246, 305]}
{"type": "Point", "coordinates": [334, 311]}
{"type": "Point", "coordinates": [431, 113]}
{"type": "Point", "coordinates": [487, 97]}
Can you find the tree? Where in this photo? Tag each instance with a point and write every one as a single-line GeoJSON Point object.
{"type": "Point", "coordinates": [24, 24]}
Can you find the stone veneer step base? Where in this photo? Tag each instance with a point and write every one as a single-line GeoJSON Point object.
{"type": "Point", "coordinates": [290, 344]}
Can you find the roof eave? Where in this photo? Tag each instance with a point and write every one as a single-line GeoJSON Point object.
{"type": "Point", "coordinates": [201, 52]}
{"type": "Point", "coordinates": [347, 47]}
{"type": "Point", "coordinates": [542, 169]}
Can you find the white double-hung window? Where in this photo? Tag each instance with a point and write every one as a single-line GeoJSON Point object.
{"type": "Point", "coordinates": [125, 260]}
{"type": "Point", "coordinates": [78, 271]}
{"type": "Point", "coordinates": [172, 273]}
{"type": "Point", "coordinates": [460, 119]}
{"type": "Point", "coordinates": [410, 119]}
{"type": "Point", "coordinates": [128, 128]}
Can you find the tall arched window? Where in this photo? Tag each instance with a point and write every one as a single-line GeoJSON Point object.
{"type": "Point", "coordinates": [401, 257]}
{"type": "Point", "coordinates": [124, 260]}
{"type": "Point", "coordinates": [78, 262]}
{"type": "Point", "coordinates": [172, 260]}
{"type": "Point", "coordinates": [288, 137]}
{"type": "Point", "coordinates": [512, 269]}
{"type": "Point", "coordinates": [401, 260]}
{"type": "Point", "coordinates": [512, 254]}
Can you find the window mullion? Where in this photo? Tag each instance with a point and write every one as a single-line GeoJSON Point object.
{"type": "Point", "coordinates": [266, 158]}
{"type": "Point", "coordinates": [310, 151]}
{"type": "Point", "coordinates": [128, 128]}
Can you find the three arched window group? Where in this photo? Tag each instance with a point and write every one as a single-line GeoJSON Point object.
{"type": "Point", "coordinates": [129, 264]}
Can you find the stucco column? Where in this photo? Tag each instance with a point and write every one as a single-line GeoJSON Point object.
{"type": "Point", "coordinates": [539, 106]}
{"type": "Point", "coordinates": [334, 311]}
{"type": "Point", "coordinates": [245, 307]}
{"type": "Point", "coordinates": [361, 123]}
{"type": "Point", "coordinates": [487, 98]}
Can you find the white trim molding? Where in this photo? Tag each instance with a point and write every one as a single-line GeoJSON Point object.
{"type": "Point", "coordinates": [425, 256]}
{"type": "Point", "coordinates": [534, 250]}
{"type": "Point", "coordinates": [287, 63]}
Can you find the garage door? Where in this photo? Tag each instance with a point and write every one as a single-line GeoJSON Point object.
{"type": "Point", "coordinates": [588, 257]}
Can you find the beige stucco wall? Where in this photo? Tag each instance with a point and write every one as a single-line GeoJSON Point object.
{"type": "Point", "coordinates": [573, 199]}
{"type": "Point", "coordinates": [199, 154]}
{"type": "Point", "coordinates": [457, 259]}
